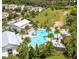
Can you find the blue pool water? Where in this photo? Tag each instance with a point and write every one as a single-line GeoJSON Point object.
{"type": "Point", "coordinates": [40, 39]}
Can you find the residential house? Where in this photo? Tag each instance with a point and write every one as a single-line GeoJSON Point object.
{"type": "Point", "coordinates": [19, 25]}
{"type": "Point", "coordinates": [5, 14]}
{"type": "Point", "coordinates": [58, 36]}
{"type": "Point", "coordinates": [12, 6]}
{"type": "Point", "coordinates": [5, 6]}
{"type": "Point", "coordinates": [37, 9]}
{"type": "Point", "coordinates": [10, 41]}
{"type": "Point", "coordinates": [21, 7]}
{"type": "Point", "coordinates": [58, 44]}
{"type": "Point", "coordinates": [34, 8]}
{"type": "Point", "coordinates": [60, 48]}
{"type": "Point", "coordinates": [28, 8]}
{"type": "Point", "coordinates": [65, 32]}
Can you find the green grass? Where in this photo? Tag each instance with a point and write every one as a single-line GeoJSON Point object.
{"type": "Point", "coordinates": [52, 15]}
{"type": "Point", "coordinates": [56, 57]}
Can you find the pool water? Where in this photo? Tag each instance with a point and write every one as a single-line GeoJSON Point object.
{"type": "Point", "coordinates": [40, 39]}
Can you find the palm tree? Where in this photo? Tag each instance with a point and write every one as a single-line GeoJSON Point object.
{"type": "Point", "coordinates": [66, 40]}
{"type": "Point", "coordinates": [31, 53]}
{"type": "Point", "coordinates": [50, 36]}
{"type": "Point", "coordinates": [57, 32]}
{"type": "Point", "coordinates": [23, 49]}
{"type": "Point", "coordinates": [48, 29]}
{"type": "Point", "coordinates": [37, 51]}
{"type": "Point", "coordinates": [27, 39]}
{"type": "Point", "coordinates": [27, 27]}
{"type": "Point", "coordinates": [4, 22]}
{"type": "Point", "coordinates": [33, 14]}
{"type": "Point", "coordinates": [49, 48]}
{"type": "Point", "coordinates": [35, 25]}
{"type": "Point", "coordinates": [22, 32]}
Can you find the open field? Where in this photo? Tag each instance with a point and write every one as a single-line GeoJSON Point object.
{"type": "Point", "coordinates": [49, 17]}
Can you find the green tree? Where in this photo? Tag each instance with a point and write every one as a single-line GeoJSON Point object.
{"type": "Point", "coordinates": [4, 22]}
{"type": "Point", "coordinates": [33, 14]}
{"type": "Point", "coordinates": [37, 51]}
{"type": "Point", "coordinates": [50, 36]}
{"type": "Point", "coordinates": [57, 32]}
{"type": "Point", "coordinates": [42, 55]}
{"type": "Point", "coordinates": [46, 14]}
{"type": "Point", "coordinates": [70, 50]}
{"type": "Point", "coordinates": [35, 24]}
{"type": "Point", "coordinates": [18, 9]}
{"type": "Point", "coordinates": [31, 53]}
{"type": "Point", "coordinates": [66, 40]}
{"type": "Point", "coordinates": [48, 29]}
{"type": "Point", "coordinates": [22, 32]}
{"type": "Point", "coordinates": [73, 11]}
{"type": "Point", "coordinates": [70, 42]}
{"type": "Point", "coordinates": [23, 49]}
{"type": "Point", "coordinates": [27, 28]}
{"type": "Point", "coordinates": [49, 48]}
{"type": "Point", "coordinates": [27, 39]}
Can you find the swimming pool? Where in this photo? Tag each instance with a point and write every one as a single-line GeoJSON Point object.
{"type": "Point", "coordinates": [40, 39]}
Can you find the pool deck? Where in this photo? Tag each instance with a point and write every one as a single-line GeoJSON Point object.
{"type": "Point", "coordinates": [38, 38]}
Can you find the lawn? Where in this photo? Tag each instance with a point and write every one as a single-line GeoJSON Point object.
{"type": "Point", "coordinates": [56, 57]}
{"type": "Point", "coordinates": [49, 16]}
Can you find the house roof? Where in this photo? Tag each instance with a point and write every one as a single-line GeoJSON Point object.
{"type": "Point", "coordinates": [10, 38]}
{"type": "Point", "coordinates": [5, 14]}
{"type": "Point", "coordinates": [59, 36]}
{"type": "Point", "coordinates": [12, 5]}
{"type": "Point", "coordinates": [34, 8]}
{"type": "Point", "coordinates": [22, 23]}
{"type": "Point", "coordinates": [58, 44]}
{"type": "Point", "coordinates": [5, 5]}
{"type": "Point", "coordinates": [65, 32]}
